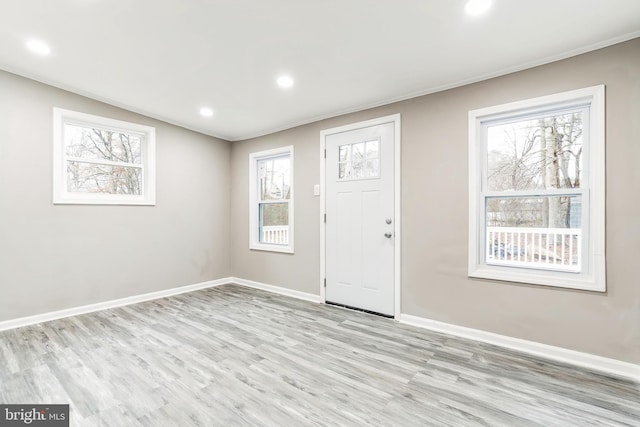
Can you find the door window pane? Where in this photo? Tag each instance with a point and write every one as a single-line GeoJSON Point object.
{"type": "Point", "coordinates": [344, 170]}
{"type": "Point", "coordinates": [345, 153]}
{"type": "Point", "coordinates": [373, 168]}
{"type": "Point", "coordinates": [372, 149]}
{"type": "Point", "coordinates": [358, 151]}
{"type": "Point", "coordinates": [359, 160]}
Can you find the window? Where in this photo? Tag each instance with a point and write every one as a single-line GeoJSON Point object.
{"type": "Point", "coordinates": [102, 161]}
{"type": "Point", "coordinates": [359, 160]}
{"type": "Point", "coordinates": [271, 200]}
{"type": "Point", "coordinates": [536, 191]}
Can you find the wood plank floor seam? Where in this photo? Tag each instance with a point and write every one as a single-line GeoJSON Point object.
{"type": "Point", "coordinates": [235, 356]}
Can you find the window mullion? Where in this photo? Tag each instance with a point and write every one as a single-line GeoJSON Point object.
{"type": "Point", "coordinates": [534, 193]}
{"type": "Point", "coordinates": [103, 162]}
{"type": "Point", "coordinates": [273, 202]}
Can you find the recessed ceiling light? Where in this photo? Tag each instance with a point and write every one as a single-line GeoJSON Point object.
{"type": "Point", "coordinates": [206, 112]}
{"type": "Point", "coordinates": [477, 7]}
{"type": "Point", "coordinates": [39, 47]}
{"type": "Point", "coordinates": [285, 82]}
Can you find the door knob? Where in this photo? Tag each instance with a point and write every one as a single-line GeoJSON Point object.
{"type": "Point", "coordinates": [388, 235]}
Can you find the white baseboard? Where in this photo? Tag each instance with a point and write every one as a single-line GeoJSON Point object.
{"type": "Point", "coordinates": [276, 290]}
{"type": "Point", "coordinates": [584, 360]}
{"type": "Point", "coordinates": [74, 311]}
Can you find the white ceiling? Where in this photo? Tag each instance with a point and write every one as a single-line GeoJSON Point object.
{"type": "Point", "coordinates": [168, 58]}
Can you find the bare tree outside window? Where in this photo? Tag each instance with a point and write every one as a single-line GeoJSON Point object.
{"type": "Point", "coordinates": [103, 161]}
{"type": "Point", "coordinates": [545, 153]}
{"type": "Point", "coordinates": [359, 160]}
{"type": "Point", "coordinates": [529, 164]}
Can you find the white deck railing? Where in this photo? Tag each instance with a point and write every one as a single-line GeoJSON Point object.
{"type": "Point", "coordinates": [275, 234]}
{"type": "Point", "coordinates": [546, 248]}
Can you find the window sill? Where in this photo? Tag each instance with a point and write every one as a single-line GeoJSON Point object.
{"type": "Point", "coordinates": [103, 200]}
{"type": "Point", "coordinates": [271, 248]}
{"type": "Point", "coordinates": [544, 278]}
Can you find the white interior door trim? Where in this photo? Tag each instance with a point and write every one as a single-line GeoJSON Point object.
{"type": "Point", "coordinates": [394, 118]}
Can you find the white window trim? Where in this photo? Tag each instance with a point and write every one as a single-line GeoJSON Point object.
{"type": "Point", "coordinates": [60, 193]}
{"type": "Point", "coordinates": [254, 241]}
{"type": "Point", "coordinates": [594, 278]}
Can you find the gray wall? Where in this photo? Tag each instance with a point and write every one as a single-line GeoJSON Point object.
{"type": "Point", "coordinates": [435, 212]}
{"type": "Point", "coordinates": [299, 271]}
{"type": "Point", "coordinates": [56, 257]}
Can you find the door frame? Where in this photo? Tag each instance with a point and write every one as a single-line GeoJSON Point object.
{"type": "Point", "coordinates": [395, 119]}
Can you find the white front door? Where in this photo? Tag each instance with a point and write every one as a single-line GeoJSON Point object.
{"type": "Point", "coordinates": [360, 222]}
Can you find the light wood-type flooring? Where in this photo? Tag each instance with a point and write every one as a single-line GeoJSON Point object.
{"type": "Point", "coordinates": [233, 356]}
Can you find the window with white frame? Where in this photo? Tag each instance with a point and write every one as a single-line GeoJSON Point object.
{"type": "Point", "coordinates": [537, 191]}
{"type": "Point", "coordinates": [98, 160]}
{"type": "Point", "coordinates": [271, 200]}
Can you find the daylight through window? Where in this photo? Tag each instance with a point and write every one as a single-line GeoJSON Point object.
{"type": "Point", "coordinates": [271, 200]}
{"type": "Point", "coordinates": [102, 161]}
{"type": "Point", "coordinates": [537, 191]}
